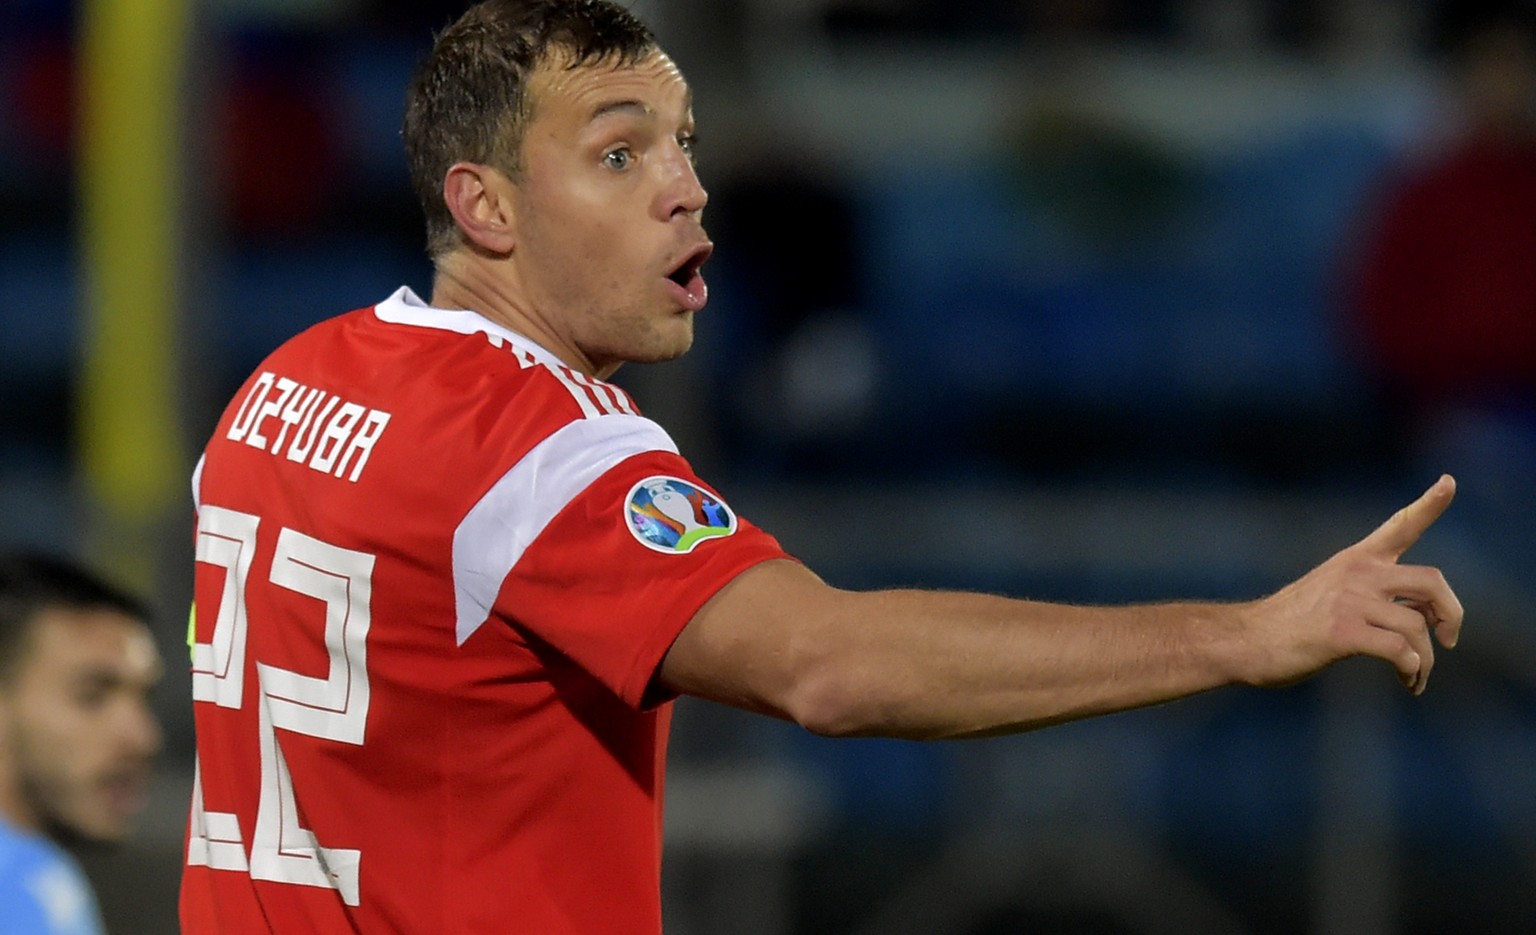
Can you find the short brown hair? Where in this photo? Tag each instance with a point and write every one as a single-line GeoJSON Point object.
{"type": "Point", "coordinates": [32, 582]}
{"type": "Point", "coordinates": [468, 100]}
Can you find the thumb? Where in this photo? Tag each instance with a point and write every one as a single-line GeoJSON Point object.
{"type": "Point", "coordinates": [1396, 535]}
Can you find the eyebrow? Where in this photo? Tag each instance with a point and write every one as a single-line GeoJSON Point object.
{"type": "Point", "coordinates": [618, 107]}
{"type": "Point", "coordinates": [112, 678]}
{"type": "Point", "coordinates": [631, 106]}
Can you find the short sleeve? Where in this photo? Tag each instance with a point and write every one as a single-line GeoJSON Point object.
{"type": "Point", "coordinates": [619, 572]}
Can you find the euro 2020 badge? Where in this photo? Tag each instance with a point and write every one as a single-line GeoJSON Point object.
{"type": "Point", "coordinates": [672, 515]}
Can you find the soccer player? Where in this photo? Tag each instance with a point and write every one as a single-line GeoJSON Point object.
{"type": "Point", "coordinates": [449, 578]}
{"type": "Point", "coordinates": [77, 734]}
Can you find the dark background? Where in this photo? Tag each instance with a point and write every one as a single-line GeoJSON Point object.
{"type": "Point", "coordinates": [1050, 298]}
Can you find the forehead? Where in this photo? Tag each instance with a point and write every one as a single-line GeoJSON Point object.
{"type": "Point", "coordinates": [66, 638]}
{"type": "Point", "coordinates": [574, 97]}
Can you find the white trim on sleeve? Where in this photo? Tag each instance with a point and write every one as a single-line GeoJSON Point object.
{"type": "Point", "coordinates": [497, 530]}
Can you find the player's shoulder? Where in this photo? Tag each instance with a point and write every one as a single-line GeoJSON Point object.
{"type": "Point", "coordinates": [41, 887]}
{"type": "Point", "coordinates": [404, 348]}
{"type": "Point", "coordinates": [20, 850]}
{"type": "Point", "coordinates": [415, 387]}
{"type": "Point", "coordinates": [488, 362]}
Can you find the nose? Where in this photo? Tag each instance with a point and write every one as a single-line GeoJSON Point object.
{"type": "Point", "coordinates": [683, 193]}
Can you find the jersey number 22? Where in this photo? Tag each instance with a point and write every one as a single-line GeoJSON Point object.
{"type": "Point", "coordinates": [333, 708]}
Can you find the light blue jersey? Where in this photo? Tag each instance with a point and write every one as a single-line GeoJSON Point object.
{"type": "Point", "coordinates": [42, 891]}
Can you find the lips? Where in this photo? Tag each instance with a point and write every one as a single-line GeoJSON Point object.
{"type": "Point", "coordinates": [126, 791]}
{"type": "Point", "coordinates": [686, 282]}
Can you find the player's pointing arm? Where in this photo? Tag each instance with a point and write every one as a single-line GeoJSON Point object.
{"type": "Point", "coordinates": [934, 664]}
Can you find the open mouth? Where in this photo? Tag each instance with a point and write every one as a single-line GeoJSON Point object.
{"type": "Point", "coordinates": [685, 282]}
{"type": "Point", "coordinates": [125, 790]}
{"type": "Point", "coordinates": [686, 272]}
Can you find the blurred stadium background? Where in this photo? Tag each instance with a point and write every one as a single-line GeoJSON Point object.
{"type": "Point", "coordinates": [1051, 298]}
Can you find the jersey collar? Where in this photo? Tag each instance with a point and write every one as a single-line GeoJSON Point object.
{"type": "Point", "coordinates": [405, 307]}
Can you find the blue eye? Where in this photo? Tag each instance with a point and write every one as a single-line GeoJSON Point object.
{"type": "Point", "coordinates": [617, 160]}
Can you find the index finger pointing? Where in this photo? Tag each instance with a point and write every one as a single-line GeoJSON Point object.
{"type": "Point", "coordinates": [1397, 534]}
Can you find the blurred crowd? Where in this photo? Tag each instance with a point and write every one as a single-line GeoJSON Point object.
{"type": "Point", "coordinates": [1233, 250]}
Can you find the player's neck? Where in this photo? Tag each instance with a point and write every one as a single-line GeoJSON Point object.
{"type": "Point", "coordinates": [463, 283]}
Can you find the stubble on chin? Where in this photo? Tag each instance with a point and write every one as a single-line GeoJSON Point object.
{"type": "Point", "coordinates": [646, 341]}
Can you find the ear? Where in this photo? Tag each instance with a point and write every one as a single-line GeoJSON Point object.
{"type": "Point", "coordinates": [480, 199]}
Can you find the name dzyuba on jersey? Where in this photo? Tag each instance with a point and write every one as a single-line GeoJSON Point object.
{"type": "Point", "coordinates": [319, 429]}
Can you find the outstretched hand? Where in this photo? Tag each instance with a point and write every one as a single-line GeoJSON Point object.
{"type": "Point", "coordinates": [1362, 602]}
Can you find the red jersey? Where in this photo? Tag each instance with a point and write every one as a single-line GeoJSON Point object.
{"type": "Point", "coordinates": [436, 572]}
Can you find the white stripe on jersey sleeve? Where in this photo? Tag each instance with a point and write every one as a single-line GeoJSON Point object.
{"type": "Point", "coordinates": [497, 530]}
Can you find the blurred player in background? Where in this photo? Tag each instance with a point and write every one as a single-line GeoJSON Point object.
{"type": "Point", "coordinates": [77, 734]}
{"type": "Point", "coordinates": [449, 578]}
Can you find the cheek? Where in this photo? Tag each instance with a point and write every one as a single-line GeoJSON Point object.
{"type": "Point", "coordinates": [53, 731]}
{"type": "Point", "coordinates": [600, 276]}
{"type": "Point", "coordinates": [609, 255]}
{"type": "Point", "coordinates": [590, 227]}
{"type": "Point", "coordinates": [44, 754]}
{"type": "Point", "coordinates": [579, 252]}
